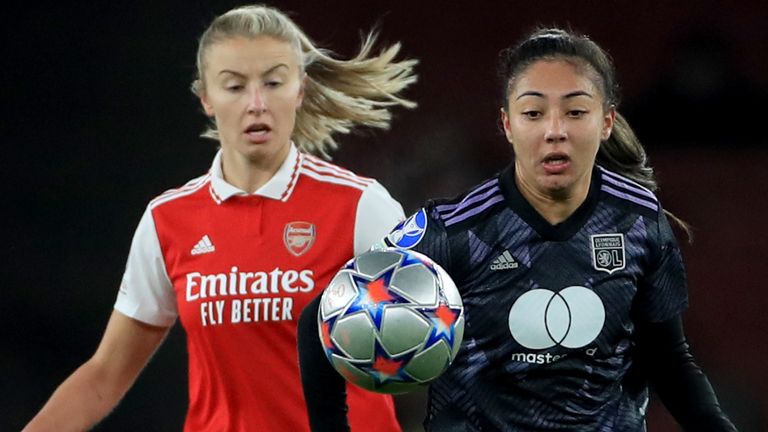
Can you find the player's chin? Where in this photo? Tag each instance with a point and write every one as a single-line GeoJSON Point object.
{"type": "Point", "coordinates": [256, 152]}
{"type": "Point", "coordinates": [558, 186]}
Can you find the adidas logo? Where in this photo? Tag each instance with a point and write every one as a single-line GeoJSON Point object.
{"type": "Point", "coordinates": [203, 246]}
{"type": "Point", "coordinates": [504, 261]}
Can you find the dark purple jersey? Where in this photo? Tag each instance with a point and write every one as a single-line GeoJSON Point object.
{"type": "Point", "coordinates": [551, 310]}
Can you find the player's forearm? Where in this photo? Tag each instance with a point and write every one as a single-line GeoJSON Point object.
{"type": "Point", "coordinates": [682, 386]}
{"type": "Point", "coordinates": [80, 402]}
{"type": "Point", "coordinates": [324, 388]}
{"type": "Point", "coordinates": [690, 398]}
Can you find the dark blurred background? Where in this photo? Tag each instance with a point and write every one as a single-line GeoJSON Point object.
{"type": "Point", "coordinates": [99, 120]}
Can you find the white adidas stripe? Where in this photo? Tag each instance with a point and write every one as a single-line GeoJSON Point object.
{"type": "Point", "coordinates": [185, 190]}
{"type": "Point", "coordinates": [333, 179]}
{"type": "Point", "coordinates": [326, 168]}
{"type": "Point", "coordinates": [316, 160]}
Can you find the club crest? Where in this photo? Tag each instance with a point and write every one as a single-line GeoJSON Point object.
{"type": "Point", "coordinates": [608, 252]}
{"type": "Point", "coordinates": [299, 237]}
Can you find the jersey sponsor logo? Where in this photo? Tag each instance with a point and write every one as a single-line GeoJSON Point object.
{"type": "Point", "coordinates": [571, 318]}
{"type": "Point", "coordinates": [203, 246]}
{"type": "Point", "coordinates": [216, 293]}
{"type": "Point", "coordinates": [409, 233]}
{"type": "Point", "coordinates": [505, 261]}
{"type": "Point", "coordinates": [608, 252]}
{"type": "Point", "coordinates": [244, 311]}
{"type": "Point", "coordinates": [239, 283]}
{"type": "Point", "coordinates": [299, 237]}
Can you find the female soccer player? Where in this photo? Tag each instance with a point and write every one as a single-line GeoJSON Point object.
{"type": "Point", "coordinates": [237, 253]}
{"type": "Point", "coordinates": [572, 281]}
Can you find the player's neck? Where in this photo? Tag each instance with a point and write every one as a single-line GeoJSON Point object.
{"type": "Point", "coordinates": [554, 206]}
{"type": "Point", "coordinates": [250, 172]}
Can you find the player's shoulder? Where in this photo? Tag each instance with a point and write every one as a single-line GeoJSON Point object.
{"type": "Point", "coordinates": [451, 216]}
{"type": "Point", "coordinates": [468, 207]}
{"type": "Point", "coordinates": [628, 194]}
{"type": "Point", "coordinates": [187, 190]}
{"type": "Point", "coordinates": [331, 174]}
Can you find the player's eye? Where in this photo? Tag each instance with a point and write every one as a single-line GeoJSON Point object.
{"type": "Point", "coordinates": [532, 114]}
{"type": "Point", "coordinates": [576, 113]}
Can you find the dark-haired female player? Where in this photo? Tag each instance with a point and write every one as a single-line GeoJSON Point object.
{"type": "Point", "coordinates": [572, 281]}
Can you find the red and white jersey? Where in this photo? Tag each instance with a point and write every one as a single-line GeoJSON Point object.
{"type": "Point", "coordinates": [238, 269]}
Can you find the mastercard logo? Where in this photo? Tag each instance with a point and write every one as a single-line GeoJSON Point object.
{"type": "Point", "coordinates": [572, 318]}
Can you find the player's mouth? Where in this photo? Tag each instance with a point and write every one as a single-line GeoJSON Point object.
{"type": "Point", "coordinates": [258, 132]}
{"type": "Point", "coordinates": [556, 163]}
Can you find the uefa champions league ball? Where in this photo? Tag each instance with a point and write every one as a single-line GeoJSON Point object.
{"type": "Point", "coordinates": [391, 320]}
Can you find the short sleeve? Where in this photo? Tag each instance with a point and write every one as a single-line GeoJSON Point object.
{"type": "Point", "coordinates": [146, 293]}
{"type": "Point", "coordinates": [663, 291]}
{"type": "Point", "coordinates": [377, 214]}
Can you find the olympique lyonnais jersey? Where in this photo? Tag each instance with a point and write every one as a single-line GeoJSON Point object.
{"type": "Point", "coordinates": [238, 269]}
{"type": "Point", "coordinates": [550, 310]}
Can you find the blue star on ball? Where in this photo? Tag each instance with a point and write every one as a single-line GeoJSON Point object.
{"type": "Point", "coordinates": [373, 295]}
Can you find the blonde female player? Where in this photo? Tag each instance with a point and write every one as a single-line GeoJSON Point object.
{"type": "Point", "coordinates": [237, 253]}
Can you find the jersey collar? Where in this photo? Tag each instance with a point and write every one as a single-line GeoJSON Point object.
{"type": "Point", "coordinates": [559, 232]}
{"type": "Point", "coordinates": [279, 187]}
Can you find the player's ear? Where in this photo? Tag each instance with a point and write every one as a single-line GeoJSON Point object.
{"type": "Point", "coordinates": [207, 107]}
{"type": "Point", "coordinates": [303, 86]}
{"type": "Point", "coordinates": [505, 124]}
{"type": "Point", "coordinates": [199, 90]}
{"type": "Point", "coordinates": [609, 118]}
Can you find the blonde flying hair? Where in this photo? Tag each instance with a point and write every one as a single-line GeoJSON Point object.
{"type": "Point", "coordinates": [338, 95]}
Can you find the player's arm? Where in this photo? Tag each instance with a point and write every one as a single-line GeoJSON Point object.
{"type": "Point", "coordinates": [95, 388]}
{"type": "Point", "coordinates": [377, 214]}
{"type": "Point", "coordinates": [677, 378]}
{"type": "Point", "coordinates": [325, 390]}
{"type": "Point", "coordinates": [662, 346]}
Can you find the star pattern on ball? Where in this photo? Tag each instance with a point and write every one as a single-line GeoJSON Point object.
{"type": "Point", "coordinates": [373, 295]}
{"type": "Point", "coordinates": [411, 259]}
{"type": "Point", "coordinates": [386, 368]}
{"type": "Point", "coordinates": [443, 318]}
{"type": "Point", "coordinates": [325, 335]}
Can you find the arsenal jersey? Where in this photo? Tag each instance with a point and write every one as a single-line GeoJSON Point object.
{"type": "Point", "coordinates": [237, 269]}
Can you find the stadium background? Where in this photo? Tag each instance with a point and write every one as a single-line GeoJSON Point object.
{"type": "Point", "coordinates": [99, 119]}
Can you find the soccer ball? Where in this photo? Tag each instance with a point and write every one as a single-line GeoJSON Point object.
{"type": "Point", "coordinates": [391, 320]}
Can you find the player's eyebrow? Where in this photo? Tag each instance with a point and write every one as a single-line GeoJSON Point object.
{"type": "Point", "coordinates": [241, 75]}
{"type": "Point", "coordinates": [566, 96]}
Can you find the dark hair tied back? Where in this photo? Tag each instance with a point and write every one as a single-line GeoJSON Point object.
{"type": "Point", "coordinates": [555, 43]}
{"type": "Point", "coordinates": [622, 152]}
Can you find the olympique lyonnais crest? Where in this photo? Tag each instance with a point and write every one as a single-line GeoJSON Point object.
{"type": "Point", "coordinates": [299, 237]}
{"type": "Point", "coordinates": [608, 252]}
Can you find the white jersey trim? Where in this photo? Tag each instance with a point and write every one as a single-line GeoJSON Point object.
{"type": "Point", "coordinates": [324, 168]}
{"type": "Point", "coordinates": [332, 179]}
{"type": "Point", "coordinates": [279, 187]}
{"type": "Point", "coordinates": [189, 188]}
